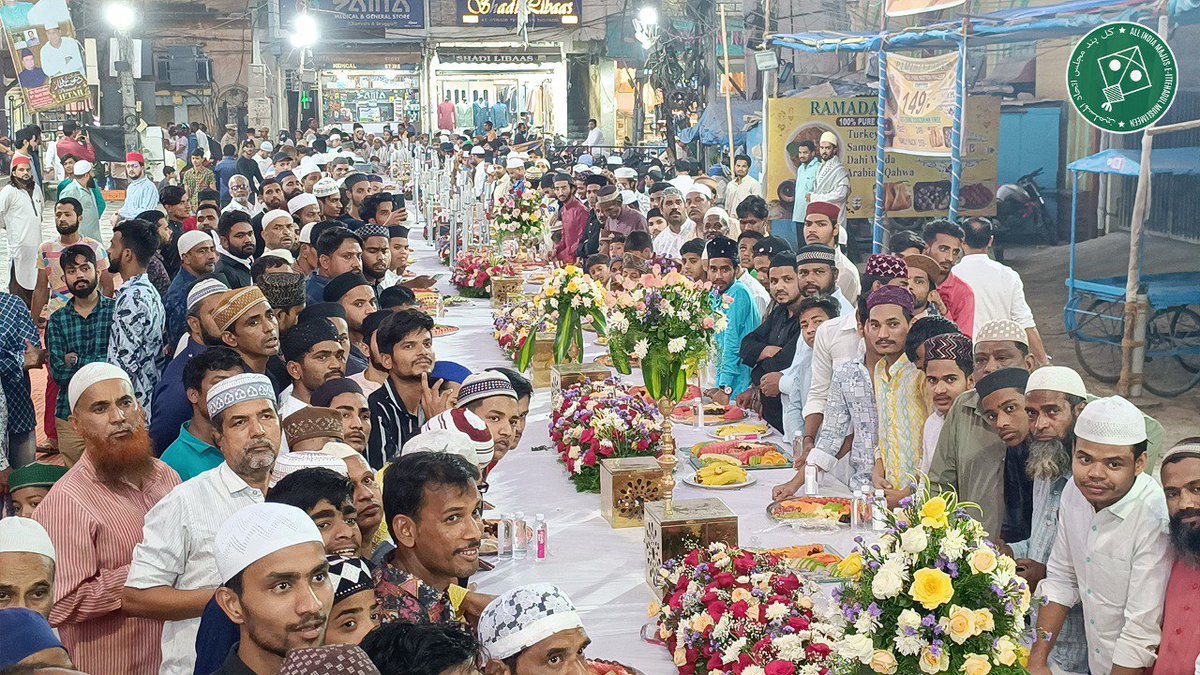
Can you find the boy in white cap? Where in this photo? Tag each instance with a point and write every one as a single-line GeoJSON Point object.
{"type": "Point", "coordinates": [26, 566]}
{"type": "Point", "coordinates": [528, 627]}
{"type": "Point", "coordinates": [1112, 553]}
{"type": "Point", "coordinates": [274, 585]}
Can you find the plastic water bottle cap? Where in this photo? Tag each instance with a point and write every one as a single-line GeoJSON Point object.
{"type": "Point", "coordinates": [539, 517]}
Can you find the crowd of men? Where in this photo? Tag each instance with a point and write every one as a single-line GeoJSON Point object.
{"type": "Point", "coordinates": [258, 457]}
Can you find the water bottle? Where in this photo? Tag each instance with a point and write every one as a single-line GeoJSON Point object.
{"type": "Point", "coordinates": [797, 446]}
{"type": "Point", "coordinates": [504, 536]}
{"type": "Point", "coordinates": [520, 549]}
{"type": "Point", "coordinates": [857, 506]}
{"type": "Point", "coordinates": [810, 479]}
{"type": "Point", "coordinates": [878, 522]}
{"type": "Point", "coordinates": [539, 539]}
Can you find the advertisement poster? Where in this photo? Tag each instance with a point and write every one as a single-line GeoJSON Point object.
{"type": "Point", "coordinates": [503, 13]}
{"type": "Point", "coordinates": [346, 17]}
{"type": "Point", "coordinates": [907, 7]}
{"type": "Point", "coordinates": [920, 104]}
{"type": "Point", "coordinates": [49, 60]}
{"type": "Point", "coordinates": [914, 186]}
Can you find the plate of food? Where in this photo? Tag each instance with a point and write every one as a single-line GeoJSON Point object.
{"type": "Point", "coordinates": [602, 667]}
{"type": "Point", "coordinates": [454, 300]}
{"type": "Point", "coordinates": [811, 512]}
{"type": "Point", "coordinates": [817, 560]}
{"type": "Point", "coordinates": [742, 431]}
{"type": "Point", "coordinates": [714, 413]}
{"type": "Point", "coordinates": [535, 276]}
{"type": "Point", "coordinates": [720, 476]}
{"type": "Point", "coordinates": [749, 455]}
{"type": "Point", "coordinates": [442, 330]}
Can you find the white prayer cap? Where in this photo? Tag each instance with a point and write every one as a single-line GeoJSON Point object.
{"type": "Point", "coordinates": [699, 189]}
{"type": "Point", "coordinates": [718, 212]}
{"type": "Point", "coordinates": [24, 535]}
{"type": "Point", "coordinates": [190, 240]}
{"type": "Point", "coordinates": [1111, 421]}
{"type": "Point", "coordinates": [266, 145]}
{"type": "Point", "coordinates": [1056, 378]}
{"type": "Point", "coordinates": [829, 137]}
{"type": "Point", "coordinates": [281, 253]}
{"type": "Point", "coordinates": [204, 288]}
{"type": "Point", "coordinates": [91, 374]}
{"type": "Point", "coordinates": [629, 197]}
{"type": "Point", "coordinates": [596, 171]}
{"type": "Point", "coordinates": [340, 450]}
{"type": "Point", "coordinates": [82, 168]}
{"type": "Point", "coordinates": [306, 233]}
{"type": "Point", "coordinates": [682, 183]}
{"type": "Point", "coordinates": [625, 172]}
{"type": "Point", "coordinates": [257, 531]}
{"type": "Point", "coordinates": [326, 187]}
{"type": "Point", "coordinates": [307, 166]}
{"type": "Point", "coordinates": [478, 150]}
{"type": "Point", "coordinates": [443, 440]}
{"type": "Point", "coordinates": [614, 160]}
{"type": "Point", "coordinates": [524, 616]}
{"type": "Point", "coordinates": [471, 427]}
{"type": "Point", "coordinates": [239, 389]}
{"type": "Point", "coordinates": [274, 215]}
{"type": "Point", "coordinates": [291, 462]}
{"type": "Point", "coordinates": [301, 200]}
{"type": "Point", "coordinates": [514, 163]}
{"type": "Point", "coordinates": [1001, 330]}
{"type": "Point", "coordinates": [579, 168]}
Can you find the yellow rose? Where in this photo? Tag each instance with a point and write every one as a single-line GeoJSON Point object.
{"type": "Point", "coordinates": [654, 608]}
{"type": "Point", "coordinates": [934, 664]}
{"type": "Point", "coordinates": [570, 269]}
{"type": "Point", "coordinates": [976, 664]}
{"type": "Point", "coordinates": [932, 588]}
{"type": "Point", "coordinates": [933, 513]}
{"type": "Point", "coordinates": [741, 594]}
{"type": "Point", "coordinates": [701, 622]}
{"type": "Point", "coordinates": [1006, 651]}
{"type": "Point", "coordinates": [883, 662]}
{"type": "Point", "coordinates": [1023, 656]}
{"type": "Point", "coordinates": [984, 622]}
{"type": "Point", "coordinates": [851, 566]}
{"type": "Point", "coordinates": [680, 656]}
{"type": "Point", "coordinates": [983, 560]}
{"type": "Point", "coordinates": [1026, 598]}
{"type": "Point", "coordinates": [960, 624]}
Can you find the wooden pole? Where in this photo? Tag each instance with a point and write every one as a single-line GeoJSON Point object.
{"type": "Point", "coordinates": [728, 89]}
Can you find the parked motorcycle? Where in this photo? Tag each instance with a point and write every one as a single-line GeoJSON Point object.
{"type": "Point", "coordinates": [1021, 211]}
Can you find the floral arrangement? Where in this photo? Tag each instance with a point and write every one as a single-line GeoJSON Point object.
{"type": "Point", "coordinates": [597, 420]}
{"type": "Point", "coordinates": [473, 274]}
{"type": "Point", "coordinates": [728, 610]}
{"type": "Point", "coordinates": [520, 217]}
{"type": "Point", "coordinates": [513, 326]}
{"type": "Point", "coordinates": [933, 595]}
{"type": "Point", "coordinates": [668, 323]}
{"type": "Point", "coordinates": [568, 295]}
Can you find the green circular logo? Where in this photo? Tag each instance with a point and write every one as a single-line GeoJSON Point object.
{"type": "Point", "coordinates": [1122, 77]}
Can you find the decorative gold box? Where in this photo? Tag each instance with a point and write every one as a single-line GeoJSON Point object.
{"type": "Point", "coordinates": [543, 359]}
{"type": "Point", "coordinates": [626, 484]}
{"type": "Point", "coordinates": [563, 375]}
{"type": "Point", "coordinates": [691, 523]}
{"type": "Point", "coordinates": [503, 287]}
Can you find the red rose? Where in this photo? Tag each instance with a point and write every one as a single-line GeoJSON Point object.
{"type": "Point", "coordinates": [739, 609]}
{"type": "Point", "coordinates": [786, 584]}
{"type": "Point", "coordinates": [587, 436]}
{"type": "Point", "coordinates": [708, 597]}
{"type": "Point", "coordinates": [717, 610]}
{"type": "Point", "coordinates": [798, 623]}
{"type": "Point", "coordinates": [589, 458]}
{"type": "Point", "coordinates": [744, 564]}
{"type": "Point", "coordinates": [780, 668]}
{"type": "Point", "coordinates": [724, 580]}
{"type": "Point", "coordinates": [642, 445]}
{"type": "Point", "coordinates": [817, 651]}
{"type": "Point", "coordinates": [606, 451]}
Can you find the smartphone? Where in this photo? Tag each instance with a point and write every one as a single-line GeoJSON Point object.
{"type": "Point", "coordinates": [397, 201]}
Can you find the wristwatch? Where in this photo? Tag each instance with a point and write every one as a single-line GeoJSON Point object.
{"type": "Point", "coordinates": [728, 390]}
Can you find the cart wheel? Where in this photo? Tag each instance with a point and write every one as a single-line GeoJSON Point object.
{"type": "Point", "coordinates": [1169, 331]}
{"type": "Point", "coordinates": [1097, 337]}
{"type": "Point", "coordinates": [1185, 325]}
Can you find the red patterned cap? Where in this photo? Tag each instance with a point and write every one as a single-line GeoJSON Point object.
{"type": "Point", "coordinates": [886, 265]}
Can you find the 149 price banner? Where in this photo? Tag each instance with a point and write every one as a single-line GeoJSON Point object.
{"type": "Point", "coordinates": [920, 104]}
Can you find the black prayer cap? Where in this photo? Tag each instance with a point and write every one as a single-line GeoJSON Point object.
{"type": "Point", "coordinates": [770, 247]}
{"type": "Point", "coordinates": [1005, 378]}
{"type": "Point", "coordinates": [783, 259]}
{"type": "Point", "coordinates": [596, 179]}
{"type": "Point", "coordinates": [304, 336]}
{"type": "Point", "coordinates": [343, 284]}
{"type": "Point", "coordinates": [325, 310]}
{"type": "Point", "coordinates": [398, 231]}
{"type": "Point", "coordinates": [722, 247]}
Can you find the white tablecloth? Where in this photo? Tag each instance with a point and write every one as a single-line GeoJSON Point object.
{"type": "Point", "coordinates": [600, 568]}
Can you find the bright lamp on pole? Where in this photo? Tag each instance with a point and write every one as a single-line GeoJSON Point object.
{"type": "Point", "coordinates": [120, 16]}
{"type": "Point", "coordinates": [304, 31]}
{"type": "Point", "coordinates": [648, 16]}
{"type": "Point", "coordinates": [645, 26]}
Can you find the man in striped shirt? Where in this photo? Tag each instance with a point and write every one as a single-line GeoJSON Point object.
{"type": "Point", "coordinates": [94, 515]}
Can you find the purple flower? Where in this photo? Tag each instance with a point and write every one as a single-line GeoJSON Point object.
{"type": "Point", "coordinates": [874, 610]}
{"type": "Point", "coordinates": [929, 621]}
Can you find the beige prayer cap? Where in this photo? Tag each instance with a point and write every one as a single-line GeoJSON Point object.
{"type": "Point", "coordinates": [829, 137]}
{"type": "Point", "coordinates": [236, 303]}
{"type": "Point", "coordinates": [1001, 330]}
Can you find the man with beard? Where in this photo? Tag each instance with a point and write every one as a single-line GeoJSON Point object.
{"type": "Point", "coordinates": [274, 585]}
{"type": "Point", "coordinates": [492, 398]}
{"type": "Point", "coordinates": [808, 163]}
{"type": "Point", "coordinates": [80, 189]}
{"type": "Point", "coordinates": [270, 199]}
{"type": "Point", "coordinates": [832, 182]}
{"type": "Point", "coordinates": [94, 515]}
{"type": "Point", "coordinates": [357, 297]}
{"type": "Point", "coordinates": [278, 232]}
{"type": "Point", "coordinates": [770, 348]}
{"type": "Point", "coordinates": [1002, 400]}
{"type": "Point", "coordinates": [407, 398]}
{"type": "Point", "coordinates": [174, 571]}
{"type": "Point", "coordinates": [821, 226]}
{"type": "Point", "coordinates": [1112, 553]}
{"type": "Point", "coordinates": [338, 251]}
{"type": "Point", "coordinates": [679, 230]}
{"type": "Point", "coordinates": [197, 258]}
{"type": "Point", "coordinates": [589, 245]}
{"type": "Point", "coordinates": [524, 389]}
{"type": "Point", "coordinates": [432, 505]}
{"type": "Point", "coordinates": [1179, 650]}
{"type": "Point", "coordinates": [21, 211]}
{"type": "Point", "coordinates": [742, 185]}
{"type": "Point", "coordinates": [305, 209]}
{"type": "Point", "coordinates": [742, 317]}
{"type": "Point", "coordinates": [285, 293]}
{"type": "Point", "coordinates": [313, 356]}
{"type": "Point", "coordinates": [944, 243]}
{"type": "Point", "coordinates": [816, 269]}
{"type": "Point", "coordinates": [357, 187]}
{"type": "Point", "coordinates": [195, 451]}
{"type": "Point", "coordinates": [376, 257]}
{"type": "Point", "coordinates": [239, 196]}
{"type": "Point", "coordinates": [572, 217]}
{"type": "Point", "coordinates": [236, 249]}
{"type": "Point", "coordinates": [76, 336]}
{"type": "Point", "coordinates": [618, 218]}
{"type": "Point", "coordinates": [137, 329]}
{"type": "Point", "coordinates": [924, 275]}
{"type": "Point", "coordinates": [141, 194]}
{"type": "Point", "coordinates": [299, 182]}
{"type": "Point", "coordinates": [207, 217]}
{"type": "Point", "coordinates": [51, 289]}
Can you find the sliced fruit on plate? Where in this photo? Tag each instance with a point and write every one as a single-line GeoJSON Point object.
{"type": "Point", "coordinates": [730, 431]}
{"type": "Point", "coordinates": [721, 473]}
{"type": "Point", "coordinates": [440, 330]}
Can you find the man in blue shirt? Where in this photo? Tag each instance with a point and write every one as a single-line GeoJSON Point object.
{"type": "Point", "coordinates": [197, 257]}
{"type": "Point", "coordinates": [224, 170]}
{"type": "Point", "coordinates": [806, 177]}
{"type": "Point", "coordinates": [141, 194]}
{"type": "Point", "coordinates": [741, 316]}
{"type": "Point", "coordinates": [195, 451]}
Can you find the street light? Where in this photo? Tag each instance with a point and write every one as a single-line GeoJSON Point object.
{"type": "Point", "coordinates": [304, 31]}
{"type": "Point", "coordinates": [645, 26]}
{"type": "Point", "coordinates": [120, 16]}
{"type": "Point", "coordinates": [648, 15]}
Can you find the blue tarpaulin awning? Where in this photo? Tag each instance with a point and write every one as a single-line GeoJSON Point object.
{"type": "Point", "coordinates": [713, 129]}
{"type": "Point", "coordinates": [1172, 161]}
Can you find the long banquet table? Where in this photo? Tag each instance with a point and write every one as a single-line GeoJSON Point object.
{"type": "Point", "coordinates": [599, 567]}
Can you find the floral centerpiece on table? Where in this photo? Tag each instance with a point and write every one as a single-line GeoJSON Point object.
{"type": "Point", "coordinates": [732, 611]}
{"type": "Point", "coordinates": [520, 217]}
{"type": "Point", "coordinates": [933, 595]}
{"type": "Point", "coordinates": [598, 420]}
{"type": "Point", "coordinates": [513, 326]}
{"type": "Point", "coordinates": [568, 296]}
{"type": "Point", "coordinates": [473, 274]}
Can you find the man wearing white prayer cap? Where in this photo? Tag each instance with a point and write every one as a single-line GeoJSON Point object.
{"type": "Point", "coordinates": [697, 199]}
{"type": "Point", "coordinates": [26, 565]}
{"type": "Point", "coordinates": [274, 585]}
{"type": "Point", "coordinates": [174, 572]}
{"type": "Point", "coordinates": [197, 258]}
{"type": "Point", "coordinates": [304, 208]}
{"type": "Point", "coordinates": [1112, 553]}
{"type": "Point", "coordinates": [279, 231]}
{"type": "Point", "coordinates": [833, 180]}
{"type": "Point", "coordinates": [528, 626]}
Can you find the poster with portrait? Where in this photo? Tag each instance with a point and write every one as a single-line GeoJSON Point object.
{"type": "Point", "coordinates": [920, 104]}
{"type": "Point", "coordinates": [49, 60]}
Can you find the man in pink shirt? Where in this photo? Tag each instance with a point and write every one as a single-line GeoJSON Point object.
{"type": "Point", "coordinates": [572, 215]}
{"type": "Point", "coordinates": [73, 143]}
{"type": "Point", "coordinates": [1179, 650]}
{"type": "Point", "coordinates": [944, 243]}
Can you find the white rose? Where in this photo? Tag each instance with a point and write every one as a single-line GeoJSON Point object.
{"type": "Point", "coordinates": [909, 645]}
{"type": "Point", "coordinates": [776, 610]}
{"type": "Point", "coordinates": [856, 648]}
{"type": "Point", "coordinates": [914, 540]}
{"type": "Point", "coordinates": [866, 624]}
{"type": "Point", "coordinates": [753, 670]}
{"type": "Point", "coordinates": [887, 583]}
{"type": "Point", "coordinates": [908, 619]}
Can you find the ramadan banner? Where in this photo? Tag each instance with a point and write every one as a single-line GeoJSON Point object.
{"type": "Point", "coordinates": [920, 104]}
{"type": "Point", "coordinates": [49, 60]}
{"type": "Point", "coordinates": [907, 7]}
{"type": "Point", "coordinates": [914, 186]}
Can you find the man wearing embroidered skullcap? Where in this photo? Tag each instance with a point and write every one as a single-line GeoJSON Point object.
{"type": "Point", "coordinates": [255, 547]}
{"type": "Point", "coordinates": [949, 365]}
{"type": "Point", "coordinates": [356, 295]}
{"type": "Point", "coordinates": [532, 625]}
{"type": "Point", "coordinates": [174, 569]}
{"type": "Point", "coordinates": [832, 183]}
{"type": "Point", "coordinates": [248, 326]}
{"type": "Point", "coordinates": [345, 658]}
{"type": "Point", "coordinates": [94, 516]}
{"type": "Point", "coordinates": [197, 258]}
{"type": "Point", "coordinates": [770, 348]}
{"type": "Point", "coordinates": [285, 293]}
{"type": "Point", "coordinates": [310, 428]}
{"type": "Point", "coordinates": [491, 397]}
{"type": "Point", "coordinates": [313, 356]}
{"type": "Point", "coordinates": [26, 565]}
{"type": "Point", "coordinates": [822, 225]}
{"type": "Point", "coordinates": [741, 315]}
{"type": "Point", "coordinates": [29, 644]}
{"type": "Point", "coordinates": [1112, 553]}
{"type": "Point", "coordinates": [1180, 473]}
{"type": "Point", "coordinates": [376, 256]}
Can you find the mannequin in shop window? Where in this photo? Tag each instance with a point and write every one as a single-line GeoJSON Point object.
{"type": "Point", "coordinates": [446, 114]}
{"type": "Point", "coordinates": [464, 112]}
{"type": "Point", "coordinates": [500, 118]}
{"type": "Point", "coordinates": [483, 112]}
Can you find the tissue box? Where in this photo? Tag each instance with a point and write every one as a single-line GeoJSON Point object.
{"type": "Point", "coordinates": [563, 375]}
{"type": "Point", "coordinates": [692, 523]}
{"type": "Point", "coordinates": [626, 485]}
{"type": "Point", "coordinates": [503, 288]}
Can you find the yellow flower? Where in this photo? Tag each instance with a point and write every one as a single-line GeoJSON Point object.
{"type": "Point", "coordinates": [1007, 651]}
{"type": "Point", "coordinates": [572, 286]}
{"type": "Point", "coordinates": [982, 560]}
{"type": "Point", "coordinates": [932, 588]}
{"type": "Point", "coordinates": [570, 269]}
{"type": "Point", "coordinates": [933, 513]}
{"type": "Point", "coordinates": [851, 566]}
{"type": "Point", "coordinates": [883, 662]}
{"type": "Point", "coordinates": [654, 608]}
{"type": "Point", "coordinates": [960, 624]}
{"type": "Point", "coordinates": [934, 664]}
{"type": "Point", "coordinates": [702, 622]}
{"type": "Point", "coordinates": [976, 664]}
{"type": "Point", "coordinates": [984, 622]}
{"type": "Point", "coordinates": [741, 594]}
{"type": "Point", "coordinates": [680, 656]}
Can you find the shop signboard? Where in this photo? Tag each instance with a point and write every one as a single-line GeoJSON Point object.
{"type": "Point", "coordinates": [50, 62]}
{"type": "Point", "coordinates": [503, 13]}
{"type": "Point", "coordinates": [920, 104]}
{"type": "Point", "coordinates": [347, 16]}
{"type": "Point", "coordinates": [907, 7]}
{"type": "Point", "coordinates": [914, 186]}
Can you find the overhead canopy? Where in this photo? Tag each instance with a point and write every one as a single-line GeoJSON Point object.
{"type": "Point", "coordinates": [713, 129]}
{"type": "Point", "coordinates": [1172, 161]}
